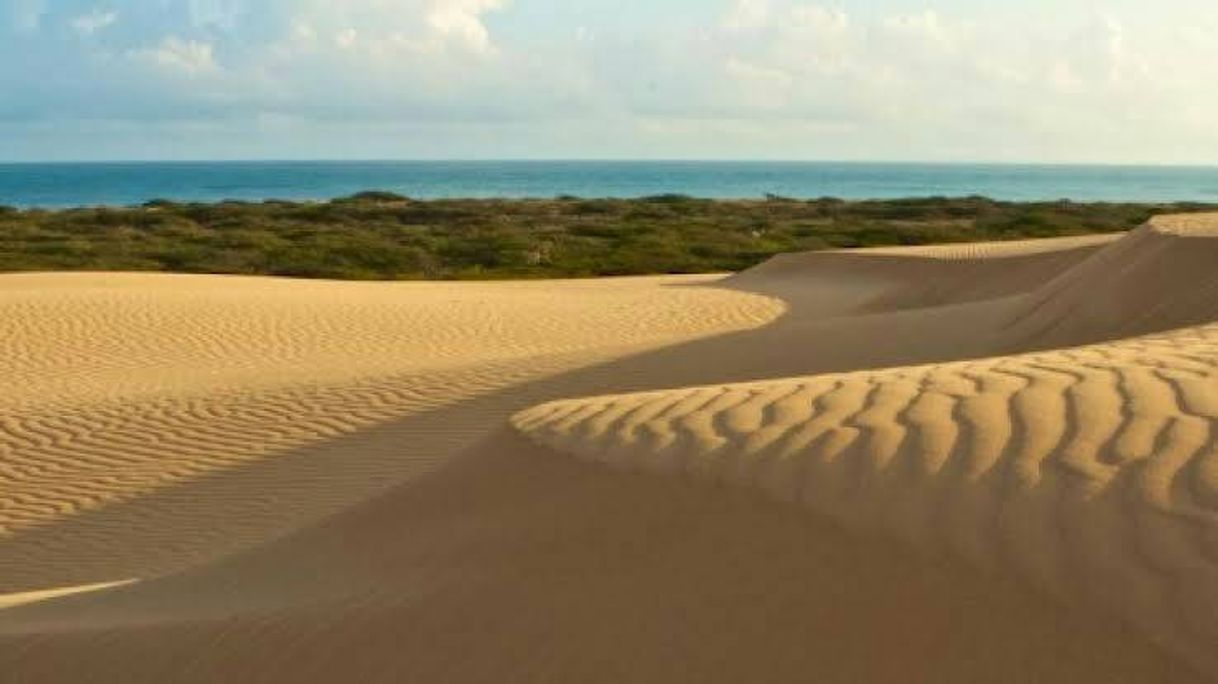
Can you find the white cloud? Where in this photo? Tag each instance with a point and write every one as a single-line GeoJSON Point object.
{"type": "Point", "coordinates": [819, 19]}
{"type": "Point", "coordinates": [302, 31]}
{"type": "Point", "coordinates": [98, 19]}
{"type": "Point", "coordinates": [747, 14]}
{"type": "Point", "coordinates": [174, 54]}
{"type": "Point", "coordinates": [222, 14]}
{"type": "Point", "coordinates": [388, 29]}
{"type": "Point", "coordinates": [346, 38]}
{"type": "Point", "coordinates": [925, 26]}
{"type": "Point", "coordinates": [812, 77]}
{"type": "Point", "coordinates": [461, 21]}
{"type": "Point", "coordinates": [759, 87]}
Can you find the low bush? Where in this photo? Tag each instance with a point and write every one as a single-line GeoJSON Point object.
{"type": "Point", "coordinates": [381, 235]}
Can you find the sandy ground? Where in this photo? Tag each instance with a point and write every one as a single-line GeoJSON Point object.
{"type": "Point", "coordinates": [978, 463]}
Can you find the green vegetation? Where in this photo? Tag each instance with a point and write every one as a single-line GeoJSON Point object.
{"type": "Point", "coordinates": [380, 235]}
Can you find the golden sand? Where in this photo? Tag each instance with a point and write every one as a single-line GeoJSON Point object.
{"type": "Point", "coordinates": [1005, 456]}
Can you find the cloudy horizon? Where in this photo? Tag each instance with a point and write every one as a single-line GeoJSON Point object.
{"type": "Point", "coordinates": [1066, 82]}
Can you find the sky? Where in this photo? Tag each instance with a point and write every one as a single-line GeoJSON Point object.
{"type": "Point", "coordinates": [1057, 81]}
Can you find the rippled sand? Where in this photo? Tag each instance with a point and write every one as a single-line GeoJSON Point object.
{"type": "Point", "coordinates": [1005, 456]}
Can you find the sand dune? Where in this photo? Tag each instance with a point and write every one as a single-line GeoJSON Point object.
{"type": "Point", "coordinates": [1092, 470]}
{"type": "Point", "coordinates": [889, 279]}
{"type": "Point", "coordinates": [124, 386]}
{"type": "Point", "coordinates": [1160, 277]}
{"type": "Point", "coordinates": [1008, 452]}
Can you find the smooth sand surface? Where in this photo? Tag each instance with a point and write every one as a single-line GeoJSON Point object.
{"type": "Point", "coordinates": [1004, 456]}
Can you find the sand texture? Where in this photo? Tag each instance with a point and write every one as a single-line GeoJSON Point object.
{"type": "Point", "coordinates": [951, 464]}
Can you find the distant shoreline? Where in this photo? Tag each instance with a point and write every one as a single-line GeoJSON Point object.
{"type": "Point", "coordinates": [384, 236]}
{"type": "Point", "coordinates": [375, 195]}
{"type": "Point", "coordinates": [66, 184]}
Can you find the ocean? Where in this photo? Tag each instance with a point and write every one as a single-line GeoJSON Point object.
{"type": "Point", "coordinates": [55, 185]}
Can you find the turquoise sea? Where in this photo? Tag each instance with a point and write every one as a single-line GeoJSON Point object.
{"type": "Point", "coordinates": [77, 184]}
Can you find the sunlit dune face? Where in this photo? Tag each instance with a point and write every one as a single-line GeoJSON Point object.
{"type": "Point", "coordinates": [122, 386]}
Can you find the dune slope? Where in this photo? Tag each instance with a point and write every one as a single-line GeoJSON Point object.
{"type": "Point", "coordinates": [120, 389]}
{"type": "Point", "coordinates": [1092, 470]}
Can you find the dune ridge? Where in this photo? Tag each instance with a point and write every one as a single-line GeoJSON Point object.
{"type": "Point", "coordinates": [886, 279]}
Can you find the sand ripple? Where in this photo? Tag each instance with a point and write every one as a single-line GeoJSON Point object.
{"type": "Point", "coordinates": [118, 387]}
{"type": "Point", "coordinates": [1092, 471]}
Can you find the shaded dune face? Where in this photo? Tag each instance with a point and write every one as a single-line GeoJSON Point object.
{"type": "Point", "coordinates": [872, 281]}
{"type": "Point", "coordinates": [1091, 471]}
{"type": "Point", "coordinates": [1159, 277]}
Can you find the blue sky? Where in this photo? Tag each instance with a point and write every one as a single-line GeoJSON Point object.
{"type": "Point", "coordinates": [1004, 80]}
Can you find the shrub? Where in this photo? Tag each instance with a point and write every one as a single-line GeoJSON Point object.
{"type": "Point", "coordinates": [383, 235]}
{"type": "Point", "coordinates": [375, 196]}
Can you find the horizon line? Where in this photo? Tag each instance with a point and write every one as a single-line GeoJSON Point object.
{"type": "Point", "coordinates": [595, 160]}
